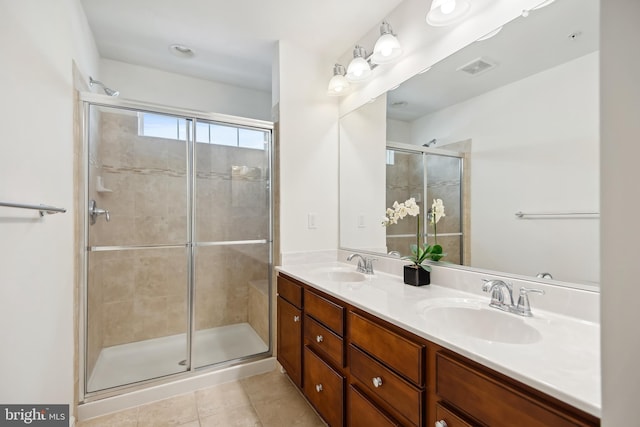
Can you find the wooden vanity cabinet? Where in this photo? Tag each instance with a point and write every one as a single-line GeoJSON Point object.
{"type": "Point", "coordinates": [289, 331]}
{"type": "Point", "coordinates": [360, 371]}
{"type": "Point", "coordinates": [324, 356]}
{"type": "Point", "coordinates": [361, 412]}
{"type": "Point", "coordinates": [471, 394]}
{"type": "Point", "coordinates": [388, 366]}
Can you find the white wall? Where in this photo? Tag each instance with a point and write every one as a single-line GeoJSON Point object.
{"type": "Point", "coordinates": [620, 124]}
{"type": "Point", "coordinates": [38, 40]}
{"type": "Point", "coordinates": [424, 45]}
{"type": "Point", "coordinates": [165, 88]}
{"type": "Point", "coordinates": [308, 144]}
{"type": "Point", "coordinates": [363, 177]}
{"type": "Point", "coordinates": [534, 149]}
{"type": "Point", "coordinates": [398, 131]}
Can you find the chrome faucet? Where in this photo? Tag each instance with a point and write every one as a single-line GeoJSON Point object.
{"type": "Point", "coordinates": [365, 265]}
{"type": "Point", "coordinates": [502, 297]}
{"type": "Point", "coordinates": [501, 294]}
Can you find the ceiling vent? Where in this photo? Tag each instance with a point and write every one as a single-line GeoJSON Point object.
{"type": "Point", "coordinates": [477, 66]}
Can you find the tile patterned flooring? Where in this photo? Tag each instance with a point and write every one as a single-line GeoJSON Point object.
{"type": "Point", "coordinates": [267, 400]}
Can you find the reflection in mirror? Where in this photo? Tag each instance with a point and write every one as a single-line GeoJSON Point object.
{"type": "Point", "coordinates": [424, 175]}
{"type": "Point", "coordinates": [521, 109]}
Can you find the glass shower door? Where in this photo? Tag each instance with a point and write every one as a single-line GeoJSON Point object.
{"type": "Point", "coordinates": [231, 243]}
{"type": "Point", "coordinates": [425, 177]}
{"type": "Point", "coordinates": [137, 255]}
{"type": "Point", "coordinates": [404, 179]}
{"type": "Point", "coordinates": [444, 182]}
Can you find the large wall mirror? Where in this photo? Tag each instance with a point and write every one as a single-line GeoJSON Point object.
{"type": "Point", "coordinates": [506, 133]}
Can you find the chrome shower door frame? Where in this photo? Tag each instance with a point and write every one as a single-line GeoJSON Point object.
{"type": "Point", "coordinates": [89, 99]}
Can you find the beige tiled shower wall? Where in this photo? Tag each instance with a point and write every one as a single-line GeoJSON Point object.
{"type": "Point", "coordinates": [405, 179]}
{"type": "Point", "coordinates": [141, 294]}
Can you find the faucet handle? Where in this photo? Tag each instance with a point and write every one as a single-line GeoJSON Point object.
{"type": "Point", "coordinates": [524, 308]}
{"type": "Point", "coordinates": [368, 265]}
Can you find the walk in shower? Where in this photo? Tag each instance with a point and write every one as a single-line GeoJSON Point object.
{"type": "Point", "coordinates": [426, 174]}
{"type": "Point", "coordinates": [178, 239]}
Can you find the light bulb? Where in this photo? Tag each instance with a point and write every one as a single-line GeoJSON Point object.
{"type": "Point", "coordinates": [359, 69]}
{"type": "Point", "coordinates": [448, 7]}
{"type": "Point", "coordinates": [338, 83]}
{"type": "Point", "coordinates": [447, 12]}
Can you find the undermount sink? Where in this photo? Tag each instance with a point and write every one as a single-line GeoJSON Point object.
{"type": "Point", "coordinates": [474, 319]}
{"type": "Point", "coordinates": [339, 274]}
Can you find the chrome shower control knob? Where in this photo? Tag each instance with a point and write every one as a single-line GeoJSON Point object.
{"type": "Point", "coordinates": [377, 382]}
{"type": "Point", "coordinates": [318, 388]}
{"type": "Point", "coordinates": [319, 338]}
{"type": "Point", "coordinates": [296, 318]}
{"type": "Point", "coordinates": [441, 423]}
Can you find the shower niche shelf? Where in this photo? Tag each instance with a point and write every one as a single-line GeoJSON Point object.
{"type": "Point", "coordinates": [100, 188]}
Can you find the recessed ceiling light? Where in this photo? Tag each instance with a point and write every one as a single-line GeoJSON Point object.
{"type": "Point", "coordinates": [181, 51]}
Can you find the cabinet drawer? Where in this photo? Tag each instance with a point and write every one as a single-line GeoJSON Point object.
{"type": "Point", "coordinates": [364, 413]}
{"type": "Point", "coordinates": [450, 418]}
{"type": "Point", "coordinates": [483, 396]}
{"type": "Point", "coordinates": [324, 311]}
{"type": "Point", "coordinates": [324, 341]}
{"type": "Point", "coordinates": [290, 291]}
{"type": "Point", "coordinates": [399, 353]}
{"type": "Point", "coordinates": [324, 388]}
{"type": "Point", "coordinates": [381, 382]}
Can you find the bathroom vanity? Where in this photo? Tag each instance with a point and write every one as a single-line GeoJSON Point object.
{"type": "Point", "coordinates": [366, 351]}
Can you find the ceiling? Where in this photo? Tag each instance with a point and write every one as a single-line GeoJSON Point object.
{"type": "Point", "coordinates": [234, 41]}
{"type": "Point", "coordinates": [524, 47]}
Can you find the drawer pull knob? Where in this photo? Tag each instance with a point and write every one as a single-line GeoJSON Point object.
{"type": "Point", "coordinates": [441, 423]}
{"type": "Point", "coordinates": [296, 318]}
{"type": "Point", "coordinates": [318, 388]}
{"type": "Point", "coordinates": [377, 382]}
{"type": "Point", "coordinates": [319, 338]}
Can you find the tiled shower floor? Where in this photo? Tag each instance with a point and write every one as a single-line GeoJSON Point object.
{"type": "Point", "coordinates": [138, 361]}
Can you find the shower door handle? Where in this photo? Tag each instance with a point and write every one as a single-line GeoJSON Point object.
{"type": "Point", "coordinates": [94, 212]}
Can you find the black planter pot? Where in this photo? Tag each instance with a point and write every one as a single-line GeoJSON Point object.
{"type": "Point", "coordinates": [416, 276]}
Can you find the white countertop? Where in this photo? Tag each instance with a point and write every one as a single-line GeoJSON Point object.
{"type": "Point", "coordinates": [563, 362]}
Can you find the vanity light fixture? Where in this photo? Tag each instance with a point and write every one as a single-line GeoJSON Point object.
{"type": "Point", "coordinates": [447, 12]}
{"type": "Point", "coordinates": [387, 49]}
{"type": "Point", "coordinates": [359, 68]}
{"type": "Point", "coordinates": [338, 84]}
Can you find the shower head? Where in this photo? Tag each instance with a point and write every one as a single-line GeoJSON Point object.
{"type": "Point", "coordinates": [430, 143]}
{"type": "Point", "coordinates": [107, 90]}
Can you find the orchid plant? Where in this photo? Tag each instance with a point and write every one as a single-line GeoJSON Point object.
{"type": "Point", "coordinates": [419, 253]}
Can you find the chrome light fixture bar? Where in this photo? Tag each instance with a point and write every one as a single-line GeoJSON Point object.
{"type": "Point", "coordinates": [387, 49]}
{"type": "Point", "coordinates": [447, 12]}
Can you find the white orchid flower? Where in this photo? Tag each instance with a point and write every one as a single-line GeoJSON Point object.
{"type": "Point", "coordinates": [401, 210]}
{"type": "Point", "coordinates": [437, 209]}
{"type": "Point", "coordinates": [412, 208]}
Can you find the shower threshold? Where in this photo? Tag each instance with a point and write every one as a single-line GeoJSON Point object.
{"type": "Point", "coordinates": [143, 360]}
